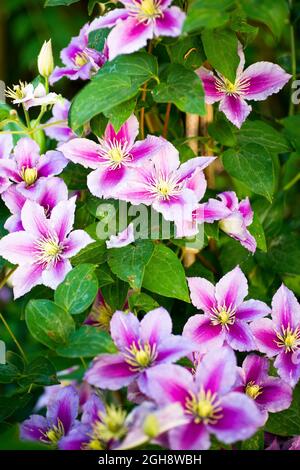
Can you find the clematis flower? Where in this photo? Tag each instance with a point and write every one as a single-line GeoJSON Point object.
{"type": "Point", "coordinates": [139, 21]}
{"type": "Point", "coordinates": [27, 168]}
{"type": "Point", "coordinates": [43, 249]}
{"type": "Point", "coordinates": [280, 337]}
{"type": "Point", "coordinates": [46, 197]}
{"type": "Point", "coordinates": [142, 345]}
{"type": "Point", "coordinates": [80, 61]}
{"type": "Point", "coordinates": [167, 185]}
{"type": "Point", "coordinates": [207, 399]}
{"type": "Point", "coordinates": [60, 418]}
{"type": "Point", "coordinates": [123, 238]}
{"type": "Point", "coordinates": [234, 217]}
{"type": "Point", "coordinates": [271, 394]}
{"type": "Point", "coordinates": [113, 158]}
{"type": "Point", "coordinates": [60, 132]}
{"type": "Point", "coordinates": [100, 314]}
{"type": "Point", "coordinates": [225, 313]}
{"type": "Point", "coordinates": [30, 96]}
{"type": "Point", "coordinates": [256, 82]}
{"type": "Point", "coordinates": [6, 146]}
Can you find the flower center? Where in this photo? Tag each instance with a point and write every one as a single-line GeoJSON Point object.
{"type": "Point", "coordinates": [81, 58]}
{"type": "Point", "coordinates": [48, 250]}
{"type": "Point", "coordinates": [223, 315]}
{"type": "Point", "coordinates": [205, 407]}
{"type": "Point", "coordinates": [141, 356]}
{"type": "Point", "coordinates": [288, 338]}
{"type": "Point", "coordinates": [253, 390]}
{"type": "Point", "coordinates": [232, 224]}
{"type": "Point", "coordinates": [116, 155]}
{"type": "Point", "coordinates": [55, 433]}
{"type": "Point", "coordinates": [146, 10]}
{"type": "Point", "coordinates": [29, 175]}
{"type": "Point", "coordinates": [165, 188]}
{"type": "Point", "coordinates": [115, 152]}
{"type": "Point", "coordinates": [17, 92]}
{"type": "Point", "coordinates": [110, 426]}
{"type": "Point", "coordinates": [238, 88]}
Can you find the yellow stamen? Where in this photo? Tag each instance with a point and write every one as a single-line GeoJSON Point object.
{"type": "Point", "coordinates": [81, 59]}
{"type": "Point", "coordinates": [29, 175]}
{"type": "Point", "coordinates": [140, 356]}
{"type": "Point", "coordinates": [253, 390]}
{"type": "Point", "coordinates": [205, 407]}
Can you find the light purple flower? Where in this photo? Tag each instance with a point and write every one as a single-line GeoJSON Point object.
{"type": "Point", "coordinates": [166, 185]}
{"type": "Point", "coordinates": [113, 158]}
{"type": "Point", "coordinates": [30, 96]}
{"type": "Point", "coordinates": [27, 167]}
{"type": "Point", "coordinates": [256, 82]}
{"type": "Point", "coordinates": [51, 191]}
{"type": "Point", "coordinates": [80, 61]}
{"type": "Point", "coordinates": [123, 238]}
{"type": "Point", "coordinates": [60, 132]}
{"type": "Point", "coordinates": [6, 146]}
{"type": "Point", "coordinates": [142, 345]}
{"type": "Point", "coordinates": [234, 217]}
{"type": "Point", "coordinates": [60, 418]}
{"type": "Point", "coordinates": [280, 336]}
{"type": "Point", "coordinates": [43, 249]}
{"type": "Point", "coordinates": [225, 313]}
{"type": "Point", "coordinates": [139, 21]}
{"type": "Point", "coordinates": [271, 394]}
{"type": "Point", "coordinates": [207, 399]}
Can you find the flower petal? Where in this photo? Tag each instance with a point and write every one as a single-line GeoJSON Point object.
{"type": "Point", "coordinates": [285, 308]}
{"type": "Point", "coordinates": [34, 220]}
{"type": "Point", "coordinates": [123, 238]}
{"type": "Point", "coordinates": [288, 370]}
{"type": "Point", "coordinates": [34, 428]}
{"type": "Point", "coordinates": [276, 395]}
{"type": "Point", "coordinates": [110, 371]}
{"type": "Point", "coordinates": [26, 153]}
{"type": "Point", "coordinates": [232, 288]}
{"type": "Point", "coordinates": [124, 329]}
{"type": "Point", "coordinates": [144, 149]}
{"type": "Point", "coordinates": [6, 145]}
{"type": "Point", "coordinates": [187, 169]}
{"type": "Point", "coordinates": [64, 408]}
{"type": "Point", "coordinates": [252, 309]}
{"type": "Point", "coordinates": [212, 94]}
{"type": "Point", "coordinates": [109, 20]}
{"type": "Point", "coordinates": [103, 182]}
{"type": "Point", "coordinates": [49, 198]}
{"type": "Point", "coordinates": [255, 368]}
{"type": "Point", "coordinates": [191, 436]}
{"type": "Point", "coordinates": [91, 409]}
{"type": "Point", "coordinates": [156, 326]}
{"type": "Point", "coordinates": [265, 336]}
{"type": "Point", "coordinates": [76, 241]}
{"type": "Point", "coordinates": [264, 79]}
{"type": "Point", "coordinates": [174, 348]}
{"type": "Point", "coordinates": [229, 198]}
{"type": "Point", "coordinates": [202, 332]}
{"type": "Point", "coordinates": [82, 151]}
{"type": "Point", "coordinates": [202, 293]}
{"type": "Point", "coordinates": [25, 278]}
{"type": "Point", "coordinates": [54, 275]}
{"type": "Point", "coordinates": [246, 211]}
{"type": "Point", "coordinates": [62, 217]}
{"type": "Point", "coordinates": [240, 336]}
{"type": "Point", "coordinates": [215, 210]}
{"type": "Point", "coordinates": [52, 163]}
{"type": "Point", "coordinates": [166, 160]}
{"type": "Point", "coordinates": [76, 438]}
{"type": "Point", "coordinates": [127, 133]}
{"type": "Point", "coordinates": [170, 23]}
{"type": "Point", "coordinates": [128, 36]}
{"type": "Point", "coordinates": [235, 109]}
{"type": "Point", "coordinates": [18, 248]}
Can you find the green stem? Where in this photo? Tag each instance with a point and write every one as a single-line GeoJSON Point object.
{"type": "Point", "coordinates": [293, 58]}
{"type": "Point", "coordinates": [27, 118]}
{"type": "Point", "coordinates": [14, 338]}
{"type": "Point", "coordinates": [291, 183]}
{"type": "Point", "coordinates": [5, 279]}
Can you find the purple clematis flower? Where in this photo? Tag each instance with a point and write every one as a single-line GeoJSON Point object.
{"type": "Point", "coordinates": [208, 400]}
{"type": "Point", "coordinates": [234, 217]}
{"type": "Point", "coordinates": [29, 96]}
{"type": "Point", "coordinates": [61, 417]}
{"type": "Point", "coordinates": [171, 188]}
{"type": "Point", "coordinates": [47, 197]}
{"type": "Point", "coordinates": [281, 336]}
{"type": "Point", "coordinates": [256, 82]}
{"type": "Point", "coordinates": [6, 146]}
{"type": "Point", "coordinates": [60, 132]}
{"type": "Point", "coordinates": [139, 21]}
{"type": "Point", "coordinates": [43, 249]}
{"type": "Point", "coordinates": [225, 313]}
{"type": "Point", "coordinates": [142, 345]}
{"type": "Point", "coordinates": [80, 61]}
{"type": "Point", "coordinates": [113, 158]}
{"type": "Point", "coordinates": [100, 427]}
{"type": "Point", "coordinates": [27, 167]}
{"type": "Point", "coordinates": [271, 394]}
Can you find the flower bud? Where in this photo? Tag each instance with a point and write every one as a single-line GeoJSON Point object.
{"type": "Point", "coordinates": [151, 426]}
{"type": "Point", "coordinates": [45, 60]}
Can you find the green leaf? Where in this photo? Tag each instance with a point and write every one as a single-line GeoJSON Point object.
{"type": "Point", "coordinates": [129, 262]}
{"type": "Point", "coordinates": [263, 134]}
{"type": "Point", "coordinates": [8, 373]}
{"type": "Point", "coordinates": [120, 113]}
{"type": "Point", "coordinates": [287, 422]}
{"type": "Point", "coordinates": [48, 323]}
{"type": "Point", "coordinates": [253, 165]}
{"type": "Point", "coordinates": [291, 130]}
{"type": "Point", "coordinates": [8, 405]}
{"type": "Point", "coordinates": [116, 82]}
{"type": "Point", "coordinates": [115, 294]}
{"type": "Point", "coordinates": [207, 14]}
{"type": "Point", "coordinates": [41, 371]}
{"type": "Point", "coordinates": [187, 51]}
{"type": "Point", "coordinates": [182, 87]}
{"type": "Point", "coordinates": [88, 341]}
{"type": "Point", "coordinates": [79, 289]}
{"type": "Point", "coordinates": [57, 3]}
{"type": "Point", "coordinates": [165, 275]}
{"type": "Point", "coordinates": [75, 176]}
{"type": "Point", "coordinates": [284, 254]}
{"type": "Point", "coordinates": [255, 442]}
{"type": "Point", "coordinates": [97, 39]}
{"type": "Point", "coordinates": [222, 131]}
{"type": "Point", "coordinates": [221, 49]}
{"type": "Point", "coordinates": [272, 14]}
{"type": "Point", "coordinates": [93, 253]}
{"type": "Point", "coordinates": [141, 302]}
{"type": "Point", "coordinates": [256, 229]}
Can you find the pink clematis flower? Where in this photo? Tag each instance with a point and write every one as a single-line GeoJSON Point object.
{"type": "Point", "coordinates": [280, 336]}
{"type": "Point", "coordinates": [113, 157]}
{"type": "Point", "coordinates": [225, 313]}
{"type": "Point", "coordinates": [139, 21]}
{"type": "Point", "coordinates": [171, 188]}
{"type": "Point", "coordinates": [6, 146]}
{"type": "Point", "coordinates": [27, 167]}
{"type": "Point", "coordinates": [60, 132]}
{"type": "Point", "coordinates": [234, 217]}
{"type": "Point", "coordinates": [43, 249]}
{"type": "Point", "coordinates": [29, 96]}
{"type": "Point", "coordinates": [256, 82]}
{"type": "Point", "coordinates": [123, 238]}
{"type": "Point", "coordinates": [46, 197]}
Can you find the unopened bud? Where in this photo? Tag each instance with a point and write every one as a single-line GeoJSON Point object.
{"type": "Point", "coordinates": [45, 60]}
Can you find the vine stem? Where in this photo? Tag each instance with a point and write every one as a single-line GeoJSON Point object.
{"type": "Point", "coordinates": [167, 118]}
{"type": "Point", "coordinates": [293, 58]}
{"type": "Point", "coordinates": [5, 279]}
{"type": "Point", "coordinates": [144, 94]}
{"type": "Point", "coordinates": [14, 338]}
